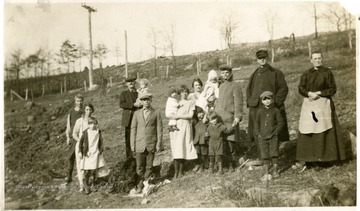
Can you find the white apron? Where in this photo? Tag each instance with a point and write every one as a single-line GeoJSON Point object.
{"type": "Point", "coordinates": [315, 116]}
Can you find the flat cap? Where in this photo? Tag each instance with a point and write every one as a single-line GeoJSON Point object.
{"type": "Point", "coordinates": [266, 94]}
{"type": "Point", "coordinates": [145, 95]}
{"type": "Point", "coordinates": [262, 54]}
{"type": "Point", "coordinates": [130, 79]}
{"type": "Point", "coordinates": [225, 67]}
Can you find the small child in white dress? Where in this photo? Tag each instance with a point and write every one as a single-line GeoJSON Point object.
{"type": "Point", "coordinates": [211, 89]}
{"type": "Point", "coordinates": [91, 152]}
{"type": "Point", "coordinates": [210, 93]}
{"type": "Point", "coordinates": [172, 106]}
{"type": "Point", "coordinates": [144, 88]}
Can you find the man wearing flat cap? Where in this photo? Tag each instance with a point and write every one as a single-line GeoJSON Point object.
{"type": "Point", "coordinates": [229, 107]}
{"type": "Point", "coordinates": [266, 78]}
{"type": "Point", "coordinates": [127, 99]}
{"type": "Point", "coordinates": [146, 137]}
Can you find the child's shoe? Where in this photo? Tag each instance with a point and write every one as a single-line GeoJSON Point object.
{"type": "Point", "coordinates": [175, 128]}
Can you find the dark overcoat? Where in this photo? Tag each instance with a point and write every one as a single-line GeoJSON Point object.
{"type": "Point", "coordinates": [127, 100]}
{"type": "Point", "coordinates": [273, 81]}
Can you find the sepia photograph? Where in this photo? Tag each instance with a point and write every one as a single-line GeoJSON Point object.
{"type": "Point", "coordinates": [179, 104]}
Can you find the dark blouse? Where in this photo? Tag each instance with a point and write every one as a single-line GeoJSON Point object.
{"type": "Point", "coordinates": [321, 79]}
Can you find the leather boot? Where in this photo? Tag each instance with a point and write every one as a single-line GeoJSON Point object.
{"type": "Point", "coordinates": [275, 171]}
{"type": "Point", "coordinates": [220, 169]}
{"type": "Point", "coordinates": [211, 168]}
{"type": "Point", "coordinates": [205, 159]}
{"type": "Point", "coordinates": [140, 186]}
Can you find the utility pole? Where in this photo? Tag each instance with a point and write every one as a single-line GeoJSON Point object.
{"type": "Point", "coordinates": [126, 56]}
{"type": "Point", "coordinates": [90, 9]}
{"type": "Point", "coordinates": [315, 19]}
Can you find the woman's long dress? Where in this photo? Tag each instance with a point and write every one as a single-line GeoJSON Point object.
{"type": "Point", "coordinates": [328, 145]}
{"type": "Point", "coordinates": [181, 142]}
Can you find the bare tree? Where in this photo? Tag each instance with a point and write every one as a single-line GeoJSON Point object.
{"type": "Point", "coordinates": [32, 63]}
{"type": "Point", "coordinates": [42, 57]}
{"type": "Point", "coordinates": [334, 15]}
{"type": "Point", "coordinates": [270, 17]}
{"type": "Point", "coordinates": [169, 38]}
{"type": "Point", "coordinates": [348, 19]}
{"type": "Point", "coordinates": [68, 54]}
{"type": "Point", "coordinates": [117, 51]}
{"type": "Point", "coordinates": [227, 26]}
{"type": "Point", "coordinates": [153, 35]}
{"type": "Point", "coordinates": [100, 52]}
{"type": "Point", "coordinates": [17, 62]}
{"type": "Point", "coordinates": [81, 53]}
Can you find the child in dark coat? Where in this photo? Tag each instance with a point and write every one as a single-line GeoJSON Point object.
{"type": "Point", "coordinates": [267, 126]}
{"type": "Point", "coordinates": [200, 141]}
{"type": "Point", "coordinates": [215, 132]}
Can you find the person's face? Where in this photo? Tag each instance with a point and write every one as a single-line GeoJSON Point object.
{"type": "Point", "coordinates": [79, 102]}
{"type": "Point", "coordinates": [316, 59]}
{"type": "Point", "coordinates": [184, 94]}
{"type": "Point", "coordinates": [200, 115]}
{"type": "Point", "coordinates": [197, 86]}
{"type": "Point", "coordinates": [93, 126]}
{"type": "Point", "coordinates": [146, 102]}
{"type": "Point", "coordinates": [88, 111]}
{"type": "Point", "coordinates": [262, 61]}
{"type": "Point", "coordinates": [213, 121]}
{"type": "Point", "coordinates": [174, 95]}
{"type": "Point", "coordinates": [225, 74]}
{"type": "Point", "coordinates": [213, 80]}
{"type": "Point", "coordinates": [143, 85]}
{"type": "Point", "coordinates": [267, 101]}
{"type": "Point", "coordinates": [130, 85]}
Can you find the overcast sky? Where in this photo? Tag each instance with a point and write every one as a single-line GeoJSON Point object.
{"type": "Point", "coordinates": [30, 26]}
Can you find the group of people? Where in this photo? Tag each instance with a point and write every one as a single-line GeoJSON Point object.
{"type": "Point", "coordinates": [85, 146]}
{"type": "Point", "coordinates": [204, 125]}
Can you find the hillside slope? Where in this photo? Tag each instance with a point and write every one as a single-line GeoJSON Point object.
{"type": "Point", "coordinates": [35, 149]}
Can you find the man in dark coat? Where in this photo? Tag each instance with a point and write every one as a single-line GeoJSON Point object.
{"type": "Point", "coordinates": [127, 99]}
{"type": "Point", "coordinates": [229, 107]}
{"type": "Point", "coordinates": [266, 78]}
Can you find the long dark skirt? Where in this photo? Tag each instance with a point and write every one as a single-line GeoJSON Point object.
{"type": "Point", "coordinates": [322, 147]}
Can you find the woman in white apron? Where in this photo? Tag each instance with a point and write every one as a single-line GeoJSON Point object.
{"type": "Point", "coordinates": [319, 138]}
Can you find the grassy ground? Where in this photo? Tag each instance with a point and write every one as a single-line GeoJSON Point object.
{"type": "Point", "coordinates": [37, 156]}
